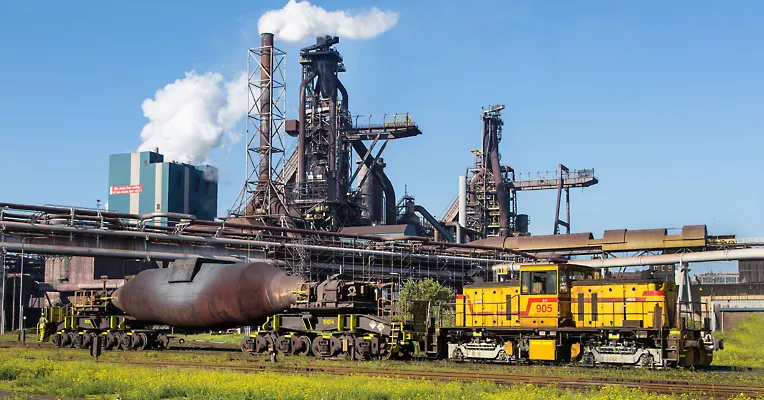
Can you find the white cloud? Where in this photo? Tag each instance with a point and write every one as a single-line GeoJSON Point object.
{"type": "Point", "coordinates": [187, 118]}
{"type": "Point", "coordinates": [300, 20]}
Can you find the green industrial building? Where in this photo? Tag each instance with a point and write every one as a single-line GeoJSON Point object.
{"type": "Point", "coordinates": [142, 182]}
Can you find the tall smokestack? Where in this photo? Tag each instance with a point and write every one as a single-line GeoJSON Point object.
{"type": "Point", "coordinates": [463, 201]}
{"type": "Point", "coordinates": [266, 91]}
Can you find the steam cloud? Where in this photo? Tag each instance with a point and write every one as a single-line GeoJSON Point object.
{"type": "Point", "coordinates": [300, 20]}
{"type": "Point", "coordinates": [188, 118]}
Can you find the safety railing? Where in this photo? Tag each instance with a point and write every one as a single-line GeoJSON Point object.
{"type": "Point", "coordinates": [371, 121]}
{"type": "Point", "coordinates": [90, 299]}
{"type": "Point", "coordinates": [551, 175]}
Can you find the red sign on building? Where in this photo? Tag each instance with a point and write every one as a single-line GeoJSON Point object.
{"type": "Point", "coordinates": [127, 189]}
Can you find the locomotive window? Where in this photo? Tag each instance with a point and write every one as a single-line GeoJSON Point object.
{"type": "Point", "coordinates": [539, 282]}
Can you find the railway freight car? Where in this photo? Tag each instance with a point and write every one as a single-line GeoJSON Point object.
{"type": "Point", "coordinates": [561, 313]}
{"type": "Point", "coordinates": [340, 317]}
{"type": "Point", "coordinates": [92, 314]}
{"type": "Point", "coordinates": [195, 294]}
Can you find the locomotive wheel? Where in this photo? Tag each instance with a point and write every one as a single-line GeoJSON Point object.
{"type": "Point", "coordinates": [77, 340]}
{"type": "Point", "coordinates": [335, 345]}
{"type": "Point", "coordinates": [66, 340]}
{"type": "Point", "coordinates": [283, 345]}
{"type": "Point", "coordinates": [71, 343]}
{"type": "Point", "coordinates": [588, 359]}
{"type": "Point", "coordinates": [362, 348]}
{"type": "Point", "coordinates": [646, 360]}
{"type": "Point", "coordinates": [87, 339]}
{"type": "Point", "coordinates": [140, 341]}
{"type": "Point", "coordinates": [163, 342]}
{"type": "Point", "coordinates": [261, 344]}
{"type": "Point", "coordinates": [296, 345]}
{"type": "Point", "coordinates": [56, 339]}
{"type": "Point", "coordinates": [247, 344]}
{"type": "Point", "coordinates": [458, 355]}
{"type": "Point", "coordinates": [111, 341]}
{"type": "Point", "coordinates": [118, 338]}
{"type": "Point", "coordinates": [125, 342]}
{"type": "Point", "coordinates": [321, 347]}
{"type": "Point", "coordinates": [405, 352]}
{"type": "Point", "coordinates": [270, 343]}
{"type": "Point", "coordinates": [306, 349]}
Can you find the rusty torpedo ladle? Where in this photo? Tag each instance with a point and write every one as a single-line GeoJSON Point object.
{"type": "Point", "coordinates": [203, 295]}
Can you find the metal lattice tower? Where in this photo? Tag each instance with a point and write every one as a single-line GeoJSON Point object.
{"type": "Point", "coordinates": [263, 192]}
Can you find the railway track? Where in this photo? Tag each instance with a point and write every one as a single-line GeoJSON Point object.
{"type": "Point", "coordinates": [564, 382]}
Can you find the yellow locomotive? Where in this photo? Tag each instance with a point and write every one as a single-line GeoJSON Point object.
{"type": "Point", "coordinates": [569, 313]}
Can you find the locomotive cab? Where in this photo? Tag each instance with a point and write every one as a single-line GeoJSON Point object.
{"type": "Point", "coordinates": [545, 293]}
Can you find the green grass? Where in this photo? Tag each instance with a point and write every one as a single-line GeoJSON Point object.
{"type": "Point", "coordinates": [47, 352]}
{"type": "Point", "coordinates": [23, 373]}
{"type": "Point", "coordinates": [743, 345]}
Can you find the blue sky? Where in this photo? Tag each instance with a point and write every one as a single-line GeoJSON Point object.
{"type": "Point", "coordinates": [664, 99]}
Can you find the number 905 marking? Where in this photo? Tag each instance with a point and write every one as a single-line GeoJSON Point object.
{"type": "Point", "coordinates": [544, 308]}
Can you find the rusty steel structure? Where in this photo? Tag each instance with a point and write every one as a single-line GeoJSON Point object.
{"type": "Point", "coordinates": [263, 193]}
{"type": "Point", "coordinates": [317, 187]}
{"type": "Point", "coordinates": [488, 191]}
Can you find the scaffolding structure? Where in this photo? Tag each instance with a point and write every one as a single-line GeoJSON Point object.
{"type": "Point", "coordinates": [263, 192]}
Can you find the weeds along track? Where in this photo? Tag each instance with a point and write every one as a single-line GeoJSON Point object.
{"type": "Point", "coordinates": [575, 383]}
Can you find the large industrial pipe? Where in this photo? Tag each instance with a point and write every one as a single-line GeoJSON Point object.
{"type": "Point", "coordinates": [334, 192]}
{"type": "Point", "coordinates": [91, 252]}
{"type": "Point", "coordinates": [217, 296]}
{"type": "Point", "coordinates": [343, 169]}
{"type": "Point", "coordinates": [463, 201]}
{"type": "Point", "coordinates": [435, 223]}
{"type": "Point", "coordinates": [301, 129]}
{"type": "Point", "coordinates": [666, 259]}
{"type": "Point", "coordinates": [37, 226]}
{"type": "Point", "coordinates": [663, 259]}
{"type": "Point", "coordinates": [492, 145]}
{"type": "Point", "coordinates": [265, 111]}
{"type": "Point", "coordinates": [344, 93]}
{"type": "Point", "coordinates": [73, 250]}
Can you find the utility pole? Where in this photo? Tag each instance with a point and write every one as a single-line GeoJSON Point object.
{"type": "Point", "coordinates": [2, 301]}
{"type": "Point", "coordinates": [21, 290]}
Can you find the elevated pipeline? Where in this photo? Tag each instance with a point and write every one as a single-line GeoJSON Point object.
{"type": "Point", "coordinates": [301, 129]}
{"type": "Point", "coordinates": [435, 223]}
{"type": "Point", "coordinates": [662, 259]}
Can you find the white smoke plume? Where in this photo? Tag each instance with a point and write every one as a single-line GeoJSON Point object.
{"type": "Point", "coordinates": [300, 20]}
{"type": "Point", "coordinates": [187, 118]}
